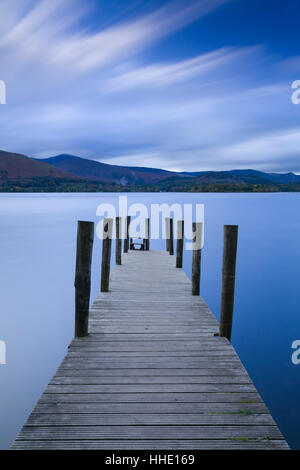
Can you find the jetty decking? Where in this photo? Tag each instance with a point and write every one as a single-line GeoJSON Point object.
{"type": "Point", "coordinates": [150, 374]}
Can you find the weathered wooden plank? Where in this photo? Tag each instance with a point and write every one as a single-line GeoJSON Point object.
{"type": "Point", "coordinates": [175, 321]}
{"type": "Point", "coordinates": [98, 380]}
{"type": "Point", "coordinates": [226, 371]}
{"type": "Point", "coordinates": [191, 345]}
{"type": "Point", "coordinates": [166, 397]}
{"type": "Point", "coordinates": [101, 337]}
{"type": "Point", "coordinates": [149, 432]}
{"type": "Point", "coordinates": [149, 388]}
{"type": "Point", "coordinates": [161, 314]}
{"type": "Point", "coordinates": [119, 419]}
{"type": "Point", "coordinates": [146, 362]}
{"type": "Point", "coordinates": [172, 354]}
{"type": "Point", "coordinates": [159, 408]}
{"type": "Point", "coordinates": [100, 328]}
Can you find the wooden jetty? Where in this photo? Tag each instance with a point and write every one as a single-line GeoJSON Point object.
{"type": "Point", "coordinates": [151, 374]}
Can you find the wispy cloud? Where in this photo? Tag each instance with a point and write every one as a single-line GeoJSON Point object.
{"type": "Point", "coordinates": [268, 149]}
{"type": "Point", "coordinates": [128, 38]}
{"type": "Point", "coordinates": [169, 73]}
{"type": "Point", "coordinates": [96, 91]}
{"type": "Point", "coordinates": [53, 27]}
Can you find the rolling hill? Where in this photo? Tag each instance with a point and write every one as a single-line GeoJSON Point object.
{"type": "Point", "coordinates": [97, 171]}
{"type": "Point", "coordinates": [15, 165]}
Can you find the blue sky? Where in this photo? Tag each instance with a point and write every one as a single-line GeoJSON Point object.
{"type": "Point", "coordinates": [183, 85]}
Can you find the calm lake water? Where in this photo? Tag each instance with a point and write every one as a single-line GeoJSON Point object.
{"type": "Point", "coordinates": [37, 261]}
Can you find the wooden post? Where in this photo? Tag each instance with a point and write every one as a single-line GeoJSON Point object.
{"type": "Point", "coordinates": [106, 254]}
{"type": "Point", "coordinates": [171, 245]}
{"type": "Point", "coordinates": [179, 247]}
{"type": "Point", "coordinates": [228, 279]}
{"type": "Point", "coordinates": [167, 222]}
{"type": "Point", "coordinates": [118, 240]}
{"type": "Point", "coordinates": [85, 239]}
{"type": "Point", "coordinates": [169, 235]}
{"type": "Point", "coordinates": [196, 266]}
{"type": "Point", "coordinates": [147, 241]}
{"type": "Point", "coordinates": [126, 235]}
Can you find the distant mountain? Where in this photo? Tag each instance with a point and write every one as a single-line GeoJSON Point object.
{"type": "Point", "coordinates": [142, 176]}
{"type": "Point", "coordinates": [69, 173]}
{"type": "Point", "coordinates": [97, 171]}
{"type": "Point", "coordinates": [244, 176]}
{"type": "Point", "coordinates": [15, 165]}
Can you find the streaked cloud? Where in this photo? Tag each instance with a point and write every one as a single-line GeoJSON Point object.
{"type": "Point", "coordinates": [169, 73]}
{"type": "Point", "coordinates": [267, 148]}
{"type": "Point", "coordinates": [98, 92]}
{"type": "Point", "coordinates": [53, 26]}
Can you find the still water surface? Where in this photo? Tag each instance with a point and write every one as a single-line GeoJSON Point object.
{"type": "Point", "coordinates": [37, 262]}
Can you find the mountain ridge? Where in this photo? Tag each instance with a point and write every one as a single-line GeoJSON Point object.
{"type": "Point", "coordinates": [105, 172]}
{"type": "Point", "coordinates": [66, 162]}
{"type": "Point", "coordinates": [66, 172]}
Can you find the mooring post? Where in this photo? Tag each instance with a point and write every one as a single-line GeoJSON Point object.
{"type": "Point", "coordinates": [85, 239]}
{"type": "Point", "coordinates": [196, 266]}
{"type": "Point", "coordinates": [126, 234]}
{"type": "Point", "coordinates": [106, 254]}
{"type": "Point", "coordinates": [169, 235]}
{"type": "Point", "coordinates": [147, 241]}
{"type": "Point", "coordinates": [171, 246]}
{"type": "Point", "coordinates": [118, 240]}
{"type": "Point", "coordinates": [179, 247]}
{"type": "Point", "coordinates": [128, 231]}
{"type": "Point", "coordinates": [167, 222]}
{"type": "Point", "coordinates": [228, 279]}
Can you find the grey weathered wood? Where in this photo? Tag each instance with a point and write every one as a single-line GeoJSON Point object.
{"type": "Point", "coordinates": [178, 337]}
{"type": "Point", "coordinates": [139, 444]}
{"type": "Point", "coordinates": [156, 388]}
{"type": "Point", "coordinates": [104, 380]}
{"type": "Point", "coordinates": [179, 247]}
{"type": "Point", "coordinates": [147, 239]}
{"type": "Point", "coordinates": [85, 238]}
{"type": "Point", "coordinates": [196, 266]}
{"type": "Point", "coordinates": [157, 329]}
{"type": "Point", "coordinates": [118, 240]}
{"type": "Point", "coordinates": [169, 235]}
{"type": "Point", "coordinates": [143, 397]}
{"type": "Point", "coordinates": [154, 408]}
{"type": "Point", "coordinates": [126, 233]}
{"type": "Point", "coordinates": [151, 374]}
{"type": "Point", "coordinates": [121, 419]}
{"type": "Point", "coordinates": [227, 370]}
{"type": "Point", "coordinates": [150, 432]}
{"type": "Point", "coordinates": [172, 354]}
{"type": "Point", "coordinates": [106, 254]}
{"type": "Point", "coordinates": [167, 224]}
{"type": "Point", "coordinates": [228, 279]}
{"type": "Point", "coordinates": [171, 242]}
{"type": "Point", "coordinates": [151, 346]}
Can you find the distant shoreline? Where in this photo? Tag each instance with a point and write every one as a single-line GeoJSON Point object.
{"type": "Point", "coordinates": [20, 189]}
